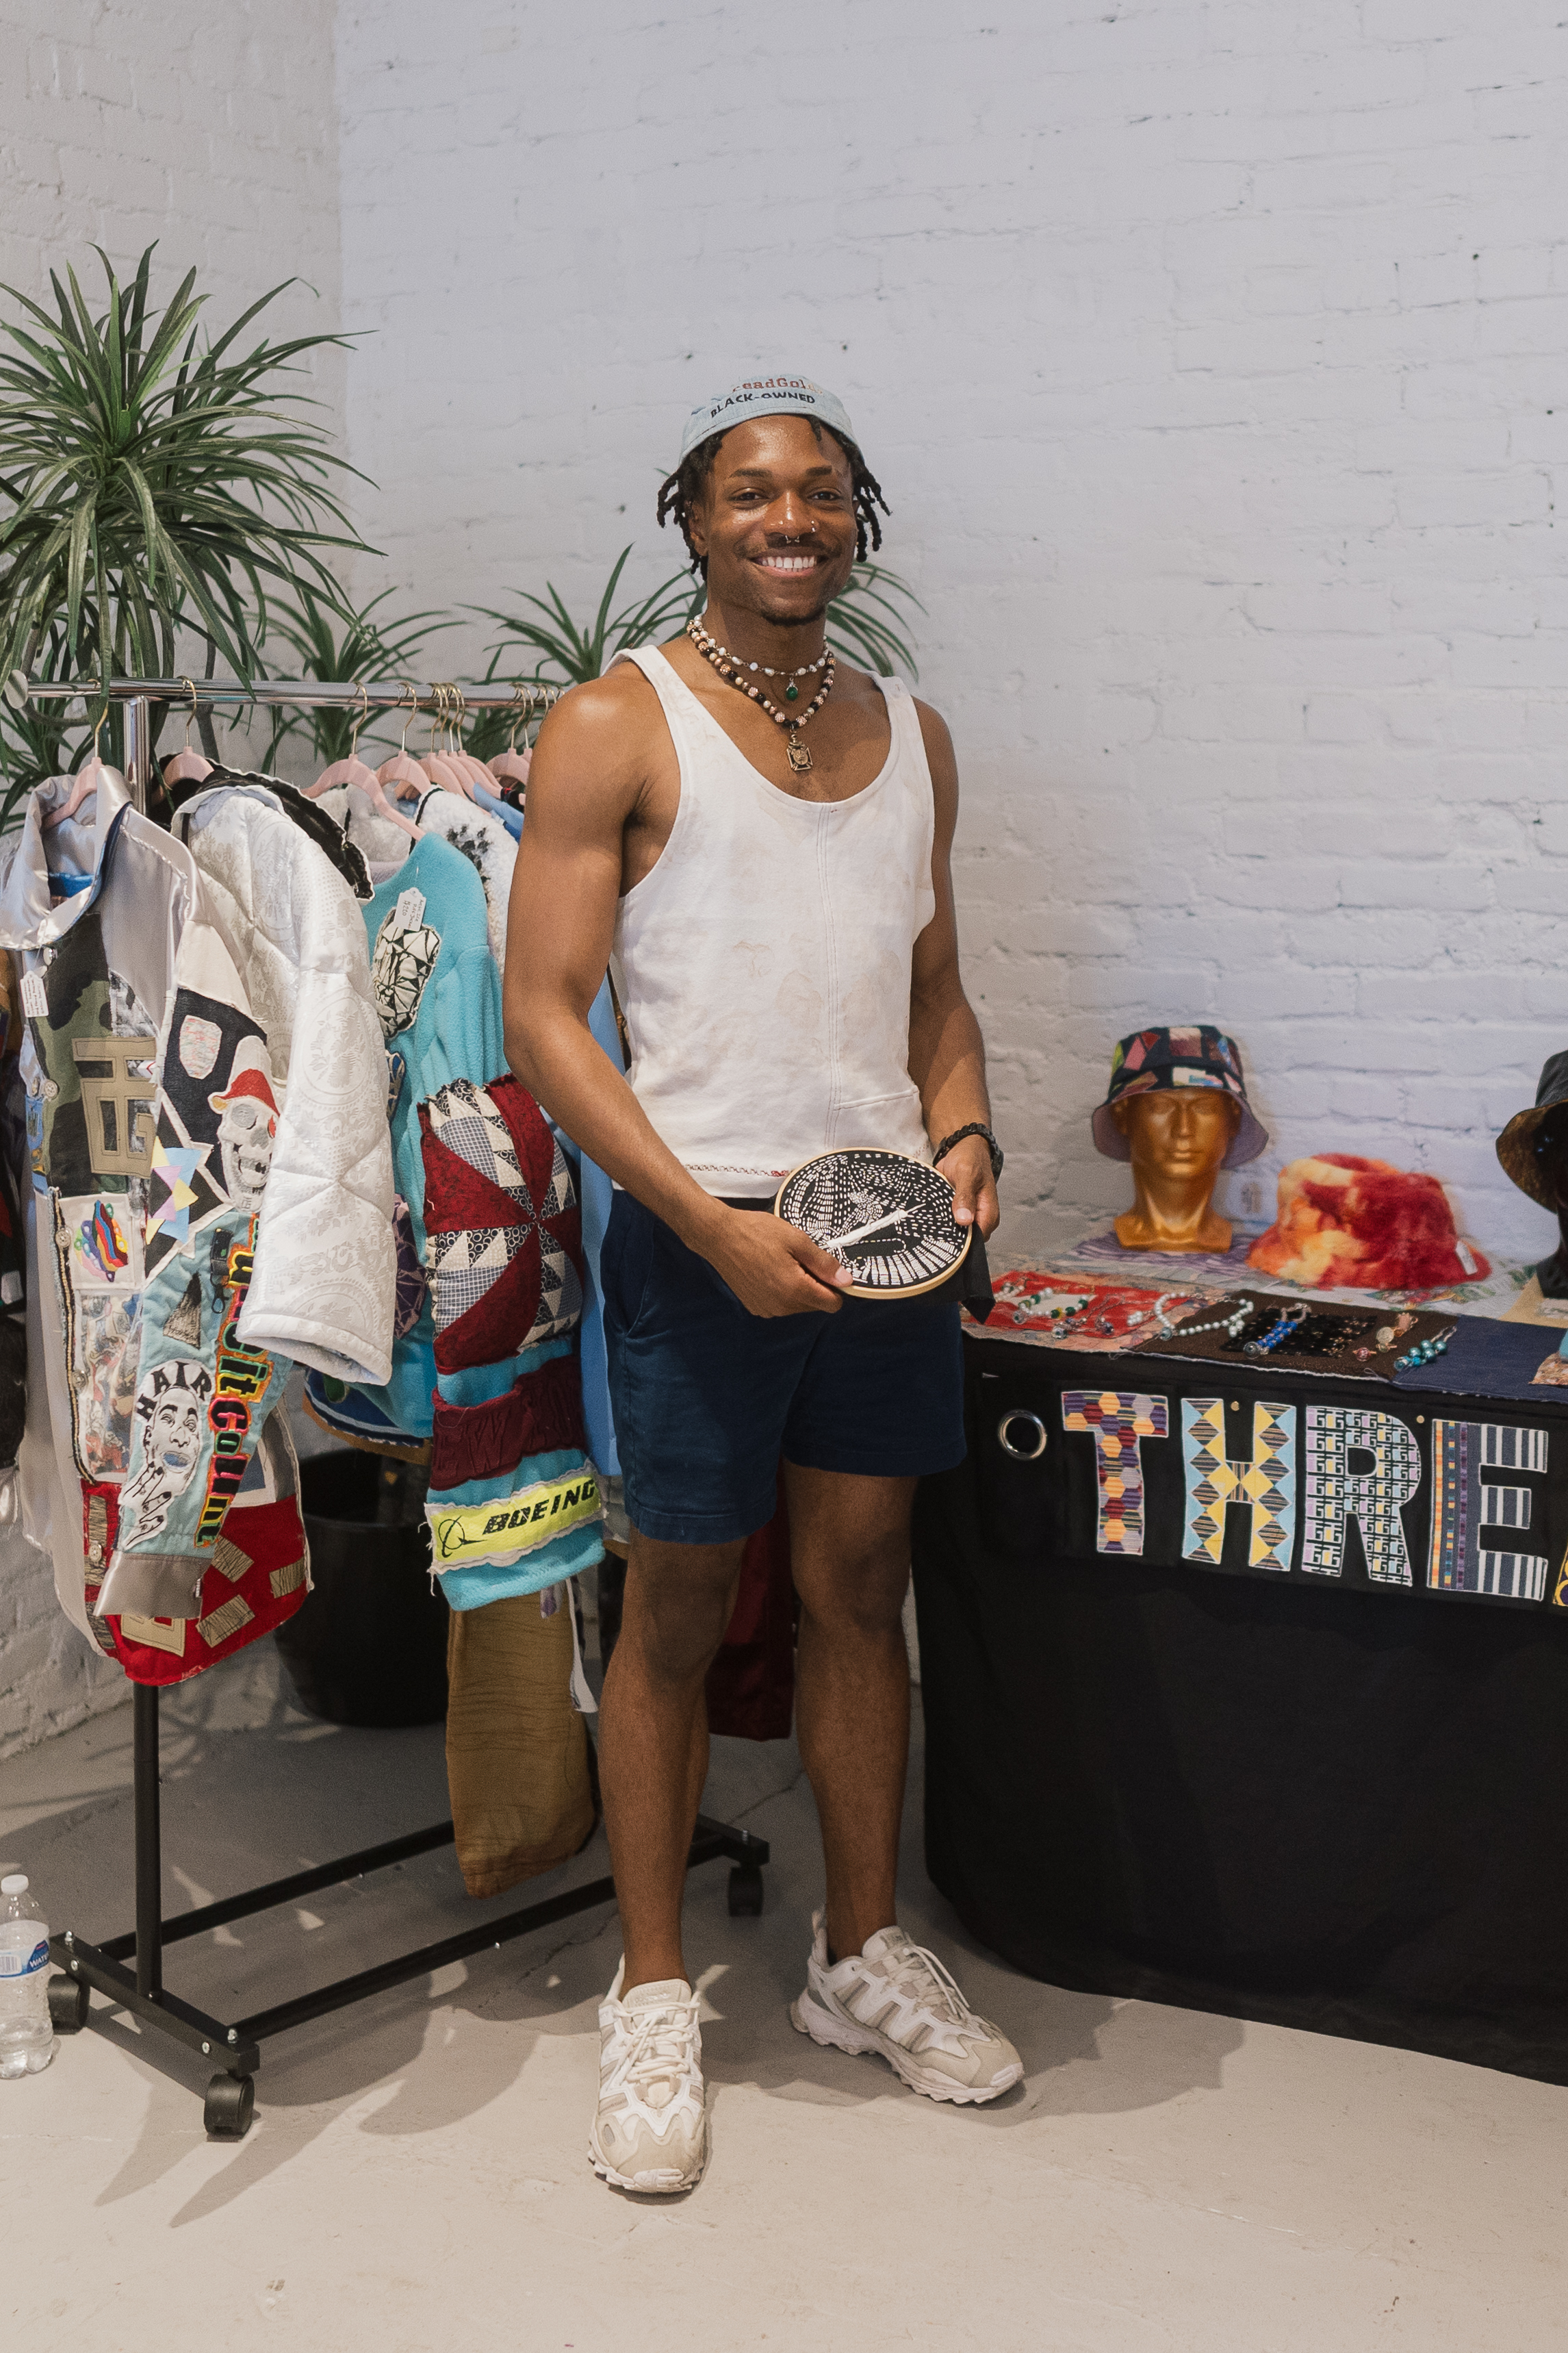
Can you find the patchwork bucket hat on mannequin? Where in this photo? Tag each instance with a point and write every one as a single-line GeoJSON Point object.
{"type": "Point", "coordinates": [1198, 1055]}
{"type": "Point", "coordinates": [1518, 1146]}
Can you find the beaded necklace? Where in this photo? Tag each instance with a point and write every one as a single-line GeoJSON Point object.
{"type": "Point", "coordinates": [1229, 1324]}
{"type": "Point", "coordinates": [737, 673]}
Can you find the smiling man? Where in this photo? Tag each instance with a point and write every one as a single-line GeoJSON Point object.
{"type": "Point", "coordinates": [759, 838]}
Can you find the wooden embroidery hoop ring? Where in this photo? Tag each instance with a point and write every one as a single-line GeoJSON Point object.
{"type": "Point", "coordinates": [869, 1291]}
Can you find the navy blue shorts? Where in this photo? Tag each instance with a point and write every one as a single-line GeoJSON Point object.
{"type": "Point", "coordinates": [706, 1395]}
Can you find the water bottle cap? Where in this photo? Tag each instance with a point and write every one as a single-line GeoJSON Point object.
{"type": "Point", "coordinates": [15, 1885]}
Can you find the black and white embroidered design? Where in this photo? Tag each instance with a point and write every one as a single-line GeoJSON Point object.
{"type": "Point", "coordinates": [885, 1217]}
{"type": "Point", "coordinates": [407, 947]}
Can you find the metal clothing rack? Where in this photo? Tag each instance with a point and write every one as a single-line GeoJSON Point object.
{"type": "Point", "coordinates": [444, 699]}
{"type": "Point", "coordinates": [229, 2103]}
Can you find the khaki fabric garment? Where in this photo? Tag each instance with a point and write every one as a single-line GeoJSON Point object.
{"type": "Point", "coordinates": [516, 1750]}
{"type": "Point", "coordinates": [1532, 1306]}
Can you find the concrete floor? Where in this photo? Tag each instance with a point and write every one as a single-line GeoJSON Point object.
{"type": "Point", "coordinates": [416, 2179]}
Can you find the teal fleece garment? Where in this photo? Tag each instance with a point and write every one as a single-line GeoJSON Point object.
{"type": "Point", "coordinates": [438, 995]}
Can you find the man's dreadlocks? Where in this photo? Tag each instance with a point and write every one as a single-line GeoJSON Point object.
{"type": "Point", "coordinates": [681, 491]}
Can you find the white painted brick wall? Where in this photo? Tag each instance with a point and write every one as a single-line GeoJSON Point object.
{"type": "Point", "coordinates": [1212, 358]}
{"type": "Point", "coordinates": [215, 131]}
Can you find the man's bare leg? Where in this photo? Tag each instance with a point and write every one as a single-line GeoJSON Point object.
{"type": "Point", "coordinates": [851, 1539]}
{"type": "Point", "coordinates": [849, 1542]}
{"type": "Point", "coordinates": [653, 1737]}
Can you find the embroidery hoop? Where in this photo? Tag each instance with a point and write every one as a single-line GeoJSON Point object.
{"type": "Point", "coordinates": [902, 1173]}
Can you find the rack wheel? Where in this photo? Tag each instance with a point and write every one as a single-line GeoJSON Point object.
{"type": "Point", "coordinates": [68, 2005]}
{"type": "Point", "coordinates": [745, 1891]}
{"type": "Point", "coordinates": [228, 2107]}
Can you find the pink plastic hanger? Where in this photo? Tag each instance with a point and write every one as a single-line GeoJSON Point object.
{"type": "Point", "coordinates": [466, 763]}
{"type": "Point", "coordinates": [438, 766]}
{"type": "Point", "coordinates": [354, 771]}
{"type": "Point", "coordinates": [512, 766]}
{"type": "Point", "coordinates": [86, 784]}
{"type": "Point", "coordinates": [186, 762]}
{"type": "Point", "coordinates": [402, 769]}
{"type": "Point", "coordinates": [470, 765]}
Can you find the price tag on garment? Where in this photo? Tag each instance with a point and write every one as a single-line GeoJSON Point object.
{"type": "Point", "coordinates": [409, 912]}
{"type": "Point", "coordinates": [35, 1002]}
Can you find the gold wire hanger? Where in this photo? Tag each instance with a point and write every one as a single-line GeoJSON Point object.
{"type": "Point", "coordinates": [470, 768]}
{"type": "Point", "coordinates": [401, 769]}
{"type": "Point", "coordinates": [349, 770]}
{"type": "Point", "coordinates": [354, 771]}
{"type": "Point", "coordinates": [511, 766]}
{"type": "Point", "coordinates": [187, 763]}
{"type": "Point", "coordinates": [437, 765]}
{"type": "Point", "coordinates": [87, 781]}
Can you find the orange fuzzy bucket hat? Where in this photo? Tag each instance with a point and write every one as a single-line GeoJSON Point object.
{"type": "Point", "coordinates": [1363, 1224]}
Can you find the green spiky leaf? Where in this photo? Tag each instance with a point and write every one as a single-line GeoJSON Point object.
{"type": "Point", "coordinates": [867, 622]}
{"type": "Point", "coordinates": [150, 484]}
{"type": "Point", "coordinates": [369, 645]}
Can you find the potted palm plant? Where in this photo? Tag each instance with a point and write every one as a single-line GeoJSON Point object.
{"type": "Point", "coordinates": [343, 644]}
{"type": "Point", "coordinates": [154, 485]}
{"type": "Point", "coordinates": [865, 621]}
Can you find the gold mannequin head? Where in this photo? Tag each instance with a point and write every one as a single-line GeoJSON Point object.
{"type": "Point", "coordinates": [1176, 1108]}
{"type": "Point", "coordinates": [1178, 1138]}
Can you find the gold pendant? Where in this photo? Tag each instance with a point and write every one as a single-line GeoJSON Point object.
{"type": "Point", "coordinates": [799, 753]}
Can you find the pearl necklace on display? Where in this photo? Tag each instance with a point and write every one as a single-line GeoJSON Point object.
{"type": "Point", "coordinates": [1229, 1324]}
{"type": "Point", "coordinates": [740, 674]}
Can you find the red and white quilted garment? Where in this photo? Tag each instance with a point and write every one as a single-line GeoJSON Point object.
{"type": "Point", "coordinates": [503, 1232]}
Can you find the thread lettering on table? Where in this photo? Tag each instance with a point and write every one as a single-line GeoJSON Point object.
{"type": "Point", "coordinates": [1263, 1487]}
{"type": "Point", "coordinates": [1464, 1501]}
{"type": "Point", "coordinates": [1120, 1421]}
{"type": "Point", "coordinates": [1374, 1499]}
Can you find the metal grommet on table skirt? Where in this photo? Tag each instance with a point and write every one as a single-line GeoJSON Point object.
{"type": "Point", "coordinates": [1032, 1420]}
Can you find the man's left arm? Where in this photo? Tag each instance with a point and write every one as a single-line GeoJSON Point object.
{"type": "Point", "coordinates": [947, 1052]}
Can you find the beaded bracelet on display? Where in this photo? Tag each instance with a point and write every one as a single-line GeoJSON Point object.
{"type": "Point", "coordinates": [1289, 1320]}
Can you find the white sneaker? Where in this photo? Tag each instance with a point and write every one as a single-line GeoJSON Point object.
{"type": "Point", "coordinates": [896, 1998]}
{"type": "Point", "coordinates": [651, 2129]}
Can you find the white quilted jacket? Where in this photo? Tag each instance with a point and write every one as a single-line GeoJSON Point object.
{"type": "Point", "coordinates": [325, 1275]}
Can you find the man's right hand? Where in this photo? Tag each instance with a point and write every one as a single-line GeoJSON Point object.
{"type": "Point", "coordinates": [773, 1268]}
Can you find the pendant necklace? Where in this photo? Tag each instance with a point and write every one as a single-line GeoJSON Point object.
{"type": "Point", "coordinates": [743, 675]}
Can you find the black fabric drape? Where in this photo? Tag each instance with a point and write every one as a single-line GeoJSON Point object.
{"type": "Point", "coordinates": [1271, 1796]}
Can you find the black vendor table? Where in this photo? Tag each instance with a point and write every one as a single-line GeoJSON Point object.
{"type": "Point", "coordinates": [1221, 1711]}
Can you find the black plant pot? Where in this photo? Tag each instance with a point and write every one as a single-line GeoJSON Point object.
{"type": "Point", "coordinates": [368, 1646]}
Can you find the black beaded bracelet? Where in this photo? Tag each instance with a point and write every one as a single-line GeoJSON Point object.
{"type": "Point", "coordinates": [975, 1127]}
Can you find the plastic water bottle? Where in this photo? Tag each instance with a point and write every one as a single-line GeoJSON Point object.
{"type": "Point", "coordinates": [26, 2036]}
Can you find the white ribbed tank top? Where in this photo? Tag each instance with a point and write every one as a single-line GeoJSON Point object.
{"type": "Point", "coordinates": [764, 965]}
